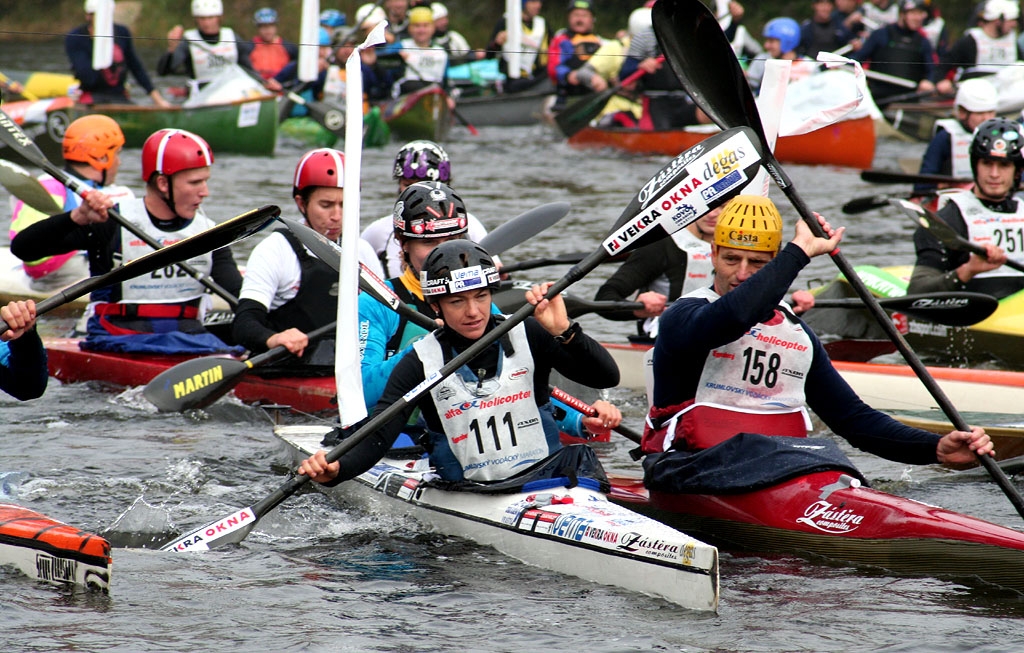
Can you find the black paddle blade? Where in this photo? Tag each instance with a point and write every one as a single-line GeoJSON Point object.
{"type": "Point", "coordinates": [194, 384]}
{"type": "Point", "coordinates": [874, 176]}
{"type": "Point", "coordinates": [864, 204]}
{"type": "Point", "coordinates": [689, 29]}
{"type": "Point", "coordinates": [960, 309]}
{"type": "Point", "coordinates": [690, 186]}
{"type": "Point", "coordinates": [524, 226]}
{"type": "Point", "coordinates": [578, 115]}
{"type": "Point", "coordinates": [934, 225]}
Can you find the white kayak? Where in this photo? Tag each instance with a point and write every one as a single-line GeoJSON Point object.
{"type": "Point", "coordinates": [575, 531]}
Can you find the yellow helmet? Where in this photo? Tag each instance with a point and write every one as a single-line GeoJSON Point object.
{"type": "Point", "coordinates": [749, 222]}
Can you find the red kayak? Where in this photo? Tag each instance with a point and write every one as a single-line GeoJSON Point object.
{"type": "Point", "coordinates": [828, 514]}
{"type": "Point", "coordinates": [51, 551]}
{"type": "Point", "coordinates": [70, 364]}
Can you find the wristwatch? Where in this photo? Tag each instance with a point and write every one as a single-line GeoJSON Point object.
{"type": "Point", "coordinates": [566, 336]}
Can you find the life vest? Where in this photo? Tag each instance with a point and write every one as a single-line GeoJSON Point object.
{"type": "Point", "coordinates": [933, 31]}
{"type": "Point", "coordinates": [334, 82]}
{"type": "Point", "coordinates": [583, 47]}
{"type": "Point", "coordinates": [901, 56]}
{"type": "Point", "coordinates": [531, 42]}
{"type": "Point", "coordinates": [493, 427]}
{"type": "Point", "coordinates": [960, 146]}
{"type": "Point", "coordinates": [427, 65]}
{"type": "Point", "coordinates": [985, 226]}
{"type": "Point", "coordinates": [268, 58]}
{"type": "Point", "coordinates": [206, 66]}
{"type": "Point", "coordinates": [753, 384]}
{"type": "Point", "coordinates": [698, 260]}
{"type": "Point", "coordinates": [168, 285]}
{"type": "Point", "coordinates": [993, 54]}
{"type": "Point", "coordinates": [24, 216]}
{"type": "Point", "coordinates": [316, 302]}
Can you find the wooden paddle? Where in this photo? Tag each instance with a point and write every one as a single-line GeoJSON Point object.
{"type": "Point", "coordinates": [897, 177]}
{"type": "Point", "coordinates": [936, 226]}
{"type": "Point", "coordinates": [702, 59]}
{"type": "Point", "coordinates": [20, 183]}
{"type": "Point", "coordinates": [199, 382]}
{"type": "Point", "coordinates": [12, 135]}
{"type": "Point", "coordinates": [949, 308]}
{"type": "Point", "coordinates": [574, 118]}
{"type": "Point", "coordinates": [657, 210]}
{"type": "Point", "coordinates": [220, 236]}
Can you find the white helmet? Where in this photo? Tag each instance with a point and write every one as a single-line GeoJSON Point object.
{"type": "Point", "coordinates": [92, 6]}
{"type": "Point", "coordinates": [977, 95]}
{"type": "Point", "coordinates": [207, 8]}
{"type": "Point", "coordinates": [639, 20]}
{"type": "Point", "coordinates": [438, 10]}
{"type": "Point", "coordinates": [996, 9]}
{"type": "Point", "coordinates": [370, 15]}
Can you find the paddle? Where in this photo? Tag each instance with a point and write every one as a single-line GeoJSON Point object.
{"type": "Point", "coordinates": [702, 59]}
{"type": "Point", "coordinates": [220, 236]}
{"type": "Point", "coordinates": [20, 183]}
{"type": "Point", "coordinates": [562, 259]}
{"type": "Point", "coordinates": [949, 308]}
{"type": "Point", "coordinates": [590, 411]}
{"type": "Point", "coordinates": [199, 382]}
{"type": "Point", "coordinates": [937, 227]}
{"type": "Point", "coordinates": [870, 203]}
{"type": "Point", "coordinates": [725, 162]}
{"type": "Point", "coordinates": [913, 95]}
{"type": "Point", "coordinates": [12, 135]}
{"type": "Point", "coordinates": [572, 119]}
{"type": "Point", "coordinates": [896, 177]}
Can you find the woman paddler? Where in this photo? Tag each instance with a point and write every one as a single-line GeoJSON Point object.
{"type": "Point", "coordinates": [491, 419]}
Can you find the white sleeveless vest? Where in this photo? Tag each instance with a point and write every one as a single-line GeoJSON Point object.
{"type": "Point", "coordinates": [985, 226]}
{"type": "Point", "coordinates": [494, 427]}
{"type": "Point", "coordinates": [993, 54]}
{"type": "Point", "coordinates": [204, 65]}
{"type": "Point", "coordinates": [960, 146]}
{"type": "Point", "coordinates": [532, 40]}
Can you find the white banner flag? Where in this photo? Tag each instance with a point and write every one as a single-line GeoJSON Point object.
{"type": "Point", "coordinates": [103, 35]}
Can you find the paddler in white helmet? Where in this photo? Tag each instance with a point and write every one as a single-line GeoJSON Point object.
{"type": "Point", "coordinates": [202, 52]}
{"type": "Point", "coordinates": [506, 386]}
{"type": "Point", "coordinates": [949, 151]}
{"type": "Point", "coordinates": [733, 361]}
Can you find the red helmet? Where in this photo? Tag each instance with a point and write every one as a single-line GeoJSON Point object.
{"type": "Point", "coordinates": [172, 150]}
{"type": "Point", "coordinates": [321, 167]}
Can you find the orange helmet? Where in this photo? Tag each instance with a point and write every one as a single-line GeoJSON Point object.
{"type": "Point", "coordinates": [94, 140]}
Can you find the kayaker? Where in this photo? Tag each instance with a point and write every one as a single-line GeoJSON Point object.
{"type": "Point", "coordinates": [731, 358]}
{"type": "Point", "coordinates": [23, 373]}
{"type": "Point", "coordinates": [425, 62]}
{"type": "Point", "coordinates": [161, 312]}
{"type": "Point", "coordinates": [206, 50]}
{"type": "Point", "coordinates": [92, 153]}
{"type": "Point", "coordinates": [781, 39]}
{"type": "Point", "coordinates": [985, 49]}
{"type": "Point", "coordinates": [397, 14]}
{"type": "Point", "coordinates": [949, 151]}
{"type": "Point", "coordinates": [270, 52]}
{"type": "Point", "coordinates": [107, 86]}
{"type": "Point", "coordinates": [987, 214]}
{"type": "Point", "coordinates": [453, 42]}
{"type": "Point", "coordinates": [288, 77]}
{"type": "Point", "coordinates": [666, 105]}
{"type": "Point", "coordinates": [533, 51]}
{"type": "Point", "coordinates": [287, 291]}
{"type": "Point", "coordinates": [332, 19]}
{"type": "Point", "coordinates": [824, 30]}
{"type": "Point", "coordinates": [570, 48]}
{"type": "Point", "coordinates": [492, 418]}
{"type": "Point", "coordinates": [415, 161]}
{"type": "Point", "coordinates": [900, 50]}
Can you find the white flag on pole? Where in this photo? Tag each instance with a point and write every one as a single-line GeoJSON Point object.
{"type": "Point", "coordinates": [103, 35]}
{"type": "Point", "coordinates": [309, 41]}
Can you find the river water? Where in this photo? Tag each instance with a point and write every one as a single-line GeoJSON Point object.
{"type": "Point", "coordinates": [318, 577]}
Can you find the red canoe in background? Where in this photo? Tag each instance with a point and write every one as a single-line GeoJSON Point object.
{"type": "Point", "coordinates": [848, 143]}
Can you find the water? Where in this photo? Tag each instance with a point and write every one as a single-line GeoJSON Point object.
{"type": "Point", "coordinates": [318, 577]}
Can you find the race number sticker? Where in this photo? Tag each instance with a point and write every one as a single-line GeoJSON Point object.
{"type": "Point", "coordinates": [249, 114]}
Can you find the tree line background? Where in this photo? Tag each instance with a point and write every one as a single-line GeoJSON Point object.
{"type": "Point", "coordinates": [150, 19]}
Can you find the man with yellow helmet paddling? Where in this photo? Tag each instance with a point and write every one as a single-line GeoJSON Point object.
{"type": "Point", "coordinates": [733, 360]}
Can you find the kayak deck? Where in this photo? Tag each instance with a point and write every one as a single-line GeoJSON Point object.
{"type": "Point", "coordinates": [51, 551]}
{"type": "Point", "coordinates": [575, 531]}
{"type": "Point", "coordinates": [825, 515]}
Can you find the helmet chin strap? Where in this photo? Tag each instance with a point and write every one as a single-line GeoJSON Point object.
{"type": "Point", "coordinates": [168, 198]}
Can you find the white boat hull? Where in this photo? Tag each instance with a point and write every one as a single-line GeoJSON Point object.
{"type": "Point", "coordinates": [579, 533]}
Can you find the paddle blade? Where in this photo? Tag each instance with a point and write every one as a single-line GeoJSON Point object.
{"type": "Point", "coordinates": [898, 177]}
{"type": "Point", "coordinates": [690, 186]}
{"type": "Point", "coordinates": [574, 118]}
{"type": "Point", "coordinates": [194, 384]}
{"type": "Point", "coordinates": [864, 204]}
{"type": "Point", "coordinates": [960, 309]}
{"type": "Point", "coordinates": [934, 225]}
{"type": "Point", "coordinates": [21, 184]}
{"type": "Point", "coordinates": [690, 37]}
{"type": "Point", "coordinates": [229, 530]}
{"type": "Point", "coordinates": [524, 227]}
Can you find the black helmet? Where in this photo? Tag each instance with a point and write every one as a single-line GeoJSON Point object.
{"type": "Point", "coordinates": [998, 139]}
{"type": "Point", "coordinates": [424, 160]}
{"type": "Point", "coordinates": [457, 266]}
{"type": "Point", "coordinates": [429, 209]}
